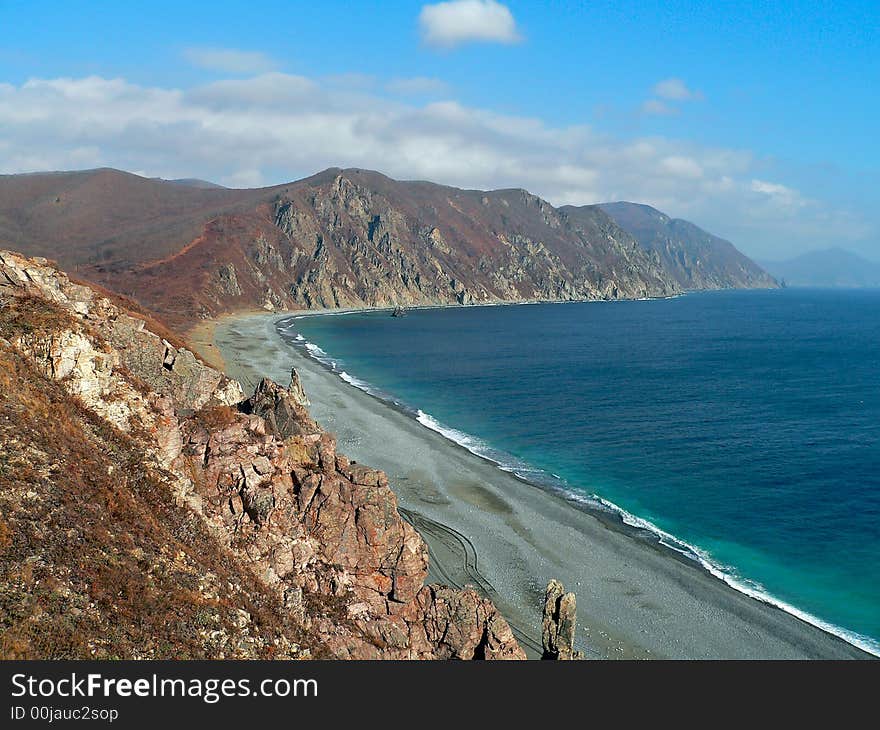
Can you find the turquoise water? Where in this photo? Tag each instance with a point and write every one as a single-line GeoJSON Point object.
{"type": "Point", "coordinates": [744, 424]}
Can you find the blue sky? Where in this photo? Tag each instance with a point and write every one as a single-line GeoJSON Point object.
{"type": "Point", "coordinates": [756, 120]}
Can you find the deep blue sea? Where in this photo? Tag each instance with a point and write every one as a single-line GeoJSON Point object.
{"type": "Point", "coordinates": [743, 425]}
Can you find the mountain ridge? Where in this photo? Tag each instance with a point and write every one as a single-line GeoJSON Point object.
{"type": "Point", "coordinates": [831, 267]}
{"type": "Point", "coordinates": [695, 258]}
{"type": "Point", "coordinates": [343, 237]}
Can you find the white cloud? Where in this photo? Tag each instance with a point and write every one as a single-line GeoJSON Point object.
{"type": "Point", "coordinates": [778, 197]}
{"type": "Point", "coordinates": [658, 108]}
{"type": "Point", "coordinates": [452, 23]}
{"type": "Point", "coordinates": [354, 80]}
{"type": "Point", "coordinates": [229, 60]}
{"type": "Point", "coordinates": [271, 89]}
{"type": "Point", "coordinates": [676, 90]}
{"type": "Point", "coordinates": [417, 86]}
{"type": "Point", "coordinates": [683, 167]}
{"type": "Point", "coordinates": [277, 127]}
{"type": "Point", "coordinates": [668, 91]}
{"type": "Point", "coordinates": [772, 189]}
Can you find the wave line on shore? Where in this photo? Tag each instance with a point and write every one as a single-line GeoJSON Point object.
{"type": "Point", "coordinates": [580, 498]}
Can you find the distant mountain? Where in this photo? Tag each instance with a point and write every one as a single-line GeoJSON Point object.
{"type": "Point", "coordinates": [87, 218]}
{"type": "Point", "coordinates": [833, 267]}
{"type": "Point", "coordinates": [343, 238]}
{"type": "Point", "coordinates": [194, 182]}
{"type": "Point", "coordinates": [695, 258]}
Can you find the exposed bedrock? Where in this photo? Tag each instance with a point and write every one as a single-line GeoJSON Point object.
{"type": "Point", "coordinates": [320, 534]}
{"type": "Point", "coordinates": [559, 623]}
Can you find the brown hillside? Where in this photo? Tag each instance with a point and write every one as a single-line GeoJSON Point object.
{"type": "Point", "coordinates": [339, 238]}
{"type": "Point", "coordinates": [149, 510]}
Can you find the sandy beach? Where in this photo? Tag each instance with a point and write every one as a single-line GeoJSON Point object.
{"type": "Point", "coordinates": [485, 527]}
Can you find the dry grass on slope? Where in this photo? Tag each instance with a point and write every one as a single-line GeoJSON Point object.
{"type": "Point", "coordinates": [96, 560]}
{"type": "Point", "coordinates": [135, 309]}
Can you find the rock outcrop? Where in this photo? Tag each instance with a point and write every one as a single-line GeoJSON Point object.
{"type": "Point", "coordinates": [694, 258]}
{"type": "Point", "coordinates": [316, 538]}
{"type": "Point", "coordinates": [341, 238]}
{"type": "Point", "coordinates": [284, 410]}
{"type": "Point", "coordinates": [352, 238]}
{"type": "Point", "coordinates": [559, 623]}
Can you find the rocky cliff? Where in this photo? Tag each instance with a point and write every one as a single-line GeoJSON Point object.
{"type": "Point", "coordinates": [352, 238]}
{"type": "Point", "coordinates": [694, 258]}
{"type": "Point", "coordinates": [148, 509]}
{"type": "Point", "coordinates": [342, 238]}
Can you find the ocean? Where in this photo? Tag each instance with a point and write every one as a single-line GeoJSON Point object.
{"type": "Point", "coordinates": [742, 427]}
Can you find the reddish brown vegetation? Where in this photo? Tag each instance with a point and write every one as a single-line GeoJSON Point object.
{"type": "Point", "coordinates": [338, 238]}
{"type": "Point", "coordinates": [95, 558]}
{"type": "Point", "coordinates": [207, 525]}
{"type": "Point", "coordinates": [31, 315]}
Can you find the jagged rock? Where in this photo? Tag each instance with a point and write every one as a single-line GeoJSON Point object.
{"type": "Point", "coordinates": [157, 363]}
{"type": "Point", "coordinates": [694, 258]}
{"type": "Point", "coordinates": [229, 280]}
{"type": "Point", "coordinates": [358, 238]}
{"type": "Point", "coordinates": [166, 368]}
{"type": "Point", "coordinates": [320, 534]}
{"type": "Point", "coordinates": [558, 623]}
{"type": "Point", "coordinates": [465, 626]}
{"type": "Point", "coordinates": [296, 390]}
{"type": "Point", "coordinates": [284, 409]}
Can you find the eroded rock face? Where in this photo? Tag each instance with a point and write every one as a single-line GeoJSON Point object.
{"type": "Point", "coordinates": [315, 523]}
{"type": "Point", "coordinates": [321, 534]}
{"type": "Point", "coordinates": [175, 371]}
{"type": "Point", "coordinates": [346, 238]}
{"type": "Point", "coordinates": [125, 339]}
{"type": "Point", "coordinates": [284, 410]}
{"type": "Point", "coordinates": [559, 622]}
{"type": "Point", "coordinates": [462, 625]}
{"type": "Point", "coordinates": [694, 258]}
{"type": "Point", "coordinates": [362, 240]}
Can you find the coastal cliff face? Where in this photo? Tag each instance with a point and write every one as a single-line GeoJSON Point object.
{"type": "Point", "coordinates": [694, 258]}
{"type": "Point", "coordinates": [363, 239]}
{"type": "Point", "coordinates": [149, 510]}
{"type": "Point", "coordinates": [342, 238]}
{"type": "Point", "coordinates": [353, 238]}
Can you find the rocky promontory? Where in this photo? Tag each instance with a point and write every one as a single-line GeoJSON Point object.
{"type": "Point", "coordinates": [148, 509]}
{"type": "Point", "coordinates": [340, 238]}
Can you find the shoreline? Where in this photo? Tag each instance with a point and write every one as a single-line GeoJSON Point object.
{"type": "Point", "coordinates": [200, 337]}
{"type": "Point", "coordinates": [467, 508]}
